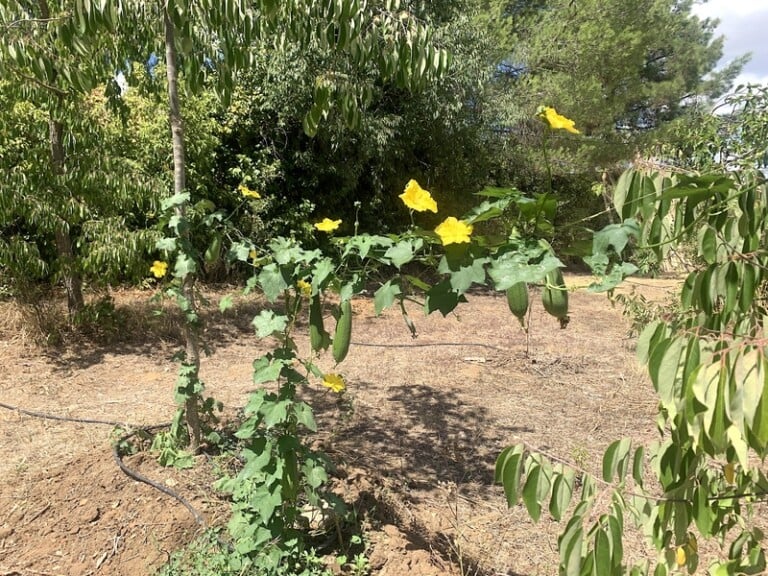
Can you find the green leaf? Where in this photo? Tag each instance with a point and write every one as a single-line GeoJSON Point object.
{"type": "Point", "coordinates": [703, 515]}
{"type": "Point", "coordinates": [320, 272]}
{"type": "Point", "coordinates": [637, 465]}
{"type": "Point", "coordinates": [514, 267]}
{"type": "Point", "coordinates": [364, 242]}
{"type": "Point", "coordinates": [535, 490]}
{"type": "Point", "coordinates": [272, 281]}
{"type": "Point", "coordinates": [571, 543]}
{"type": "Point", "coordinates": [602, 554]}
{"type": "Point", "coordinates": [403, 252]}
{"type": "Point", "coordinates": [708, 246]}
{"type": "Point", "coordinates": [648, 339]}
{"type": "Point", "coordinates": [664, 364]}
{"type": "Point", "coordinates": [314, 475]}
{"type": "Point", "coordinates": [385, 296]}
{"type": "Point", "coordinates": [304, 416]}
{"type": "Point", "coordinates": [615, 236]}
{"type": "Point", "coordinates": [442, 297]}
{"type": "Point", "coordinates": [225, 303]}
{"type": "Point", "coordinates": [621, 192]}
{"type": "Point", "coordinates": [184, 266]}
{"type": "Point", "coordinates": [615, 531]}
{"type": "Point", "coordinates": [267, 369]}
{"type": "Point", "coordinates": [175, 200]}
{"type": "Point", "coordinates": [463, 278]}
{"type": "Point", "coordinates": [562, 491]}
{"type": "Point", "coordinates": [616, 453]}
{"type": "Point", "coordinates": [267, 323]}
{"type": "Point", "coordinates": [275, 412]}
{"type": "Point", "coordinates": [509, 467]}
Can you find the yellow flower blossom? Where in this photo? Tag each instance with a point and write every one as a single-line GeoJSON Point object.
{"type": "Point", "coordinates": [252, 254]}
{"type": "Point", "coordinates": [247, 192]}
{"type": "Point", "coordinates": [335, 382]}
{"type": "Point", "coordinates": [327, 225]}
{"type": "Point", "coordinates": [159, 268]}
{"type": "Point", "coordinates": [453, 231]}
{"type": "Point", "coordinates": [556, 121]}
{"type": "Point", "coordinates": [418, 199]}
{"type": "Point", "coordinates": [304, 288]}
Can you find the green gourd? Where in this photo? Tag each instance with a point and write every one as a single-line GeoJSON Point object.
{"type": "Point", "coordinates": [318, 337]}
{"type": "Point", "coordinates": [517, 300]}
{"type": "Point", "coordinates": [343, 334]}
{"type": "Point", "coordinates": [554, 296]}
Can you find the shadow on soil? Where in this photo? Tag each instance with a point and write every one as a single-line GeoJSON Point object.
{"type": "Point", "coordinates": [425, 440]}
{"type": "Point", "coordinates": [138, 327]}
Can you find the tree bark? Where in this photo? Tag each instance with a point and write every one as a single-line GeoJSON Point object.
{"type": "Point", "coordinates": [191, 333]}
{"type": "Point", "coordinates": [73, 284]}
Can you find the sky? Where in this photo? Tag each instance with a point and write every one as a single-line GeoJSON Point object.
{"type": "Point", "coordinates": [744, 23]}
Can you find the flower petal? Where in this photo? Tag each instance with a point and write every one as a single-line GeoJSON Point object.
{"type": "Point", "coordinates": [418, 199]}
{"type": "Point", "coordinates": [557, 121]}
{"type": "Point", "coordinates": [453, 231]}
{"type": "Point", "coordinates": [159, 268]}
{"type": "Point", "coordinates": [335, 382]}
{"type": "Point", "coordinates": [247, 192]}
{"type": "Point", "coordinates": [327, 225]}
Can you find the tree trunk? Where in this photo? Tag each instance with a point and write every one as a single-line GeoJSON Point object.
{"type": "Point", "coordinates": [72, 282]}
{"type": "Point", "coordinates": [191, 334]}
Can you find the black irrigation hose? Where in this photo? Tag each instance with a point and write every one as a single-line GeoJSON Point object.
{"type": "Point", "coordinates": [70, 419]}
{"type": "Point", "coordinates": [141, 478]}
{"type": "Point", "coordinates": [116, 451]}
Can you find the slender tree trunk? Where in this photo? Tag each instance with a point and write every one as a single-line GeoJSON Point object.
{"type": "Point", "coordinates": [191, 334]}
{"type": "Point", "coordinates": [72, 282]}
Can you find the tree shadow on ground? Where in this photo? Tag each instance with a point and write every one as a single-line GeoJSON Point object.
{"type": "Point", "coordinates": [417, 440]}
{"type": "Point", "coordinates": [142, 327]}
{"type": "Point", "coordinates": [425, 435]}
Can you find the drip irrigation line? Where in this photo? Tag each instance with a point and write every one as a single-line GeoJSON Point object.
{"type": "Point", "coordinates": [47, 416]}
{"type": "Point", "coordinates": [137, 428]}
{"type": "Point", "coordinates": [427, 345]}
{"type": "Point", "coordinates": [141, 478]}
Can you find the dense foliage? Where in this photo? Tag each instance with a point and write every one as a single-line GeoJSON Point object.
{"type": "Point", "coordinates": [292, 121]}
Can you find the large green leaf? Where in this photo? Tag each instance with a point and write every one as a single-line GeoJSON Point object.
{"type": "Point", "coordinates": [536, 489]}
{"type": "Point", "coordinates": [603, 561]}
{"type": "Point", "coordinates": [385, 296]}
{"type": "Point", "coordinates": [615, 458]}
{"type": "Point", "coordinates": [268, 323]}
{"type": "Point", "coordinates": [562, 491]}
{"type": "Point", "coordinates": [509, 467]}
{"type": "Point", "coordinates": [513, 268]}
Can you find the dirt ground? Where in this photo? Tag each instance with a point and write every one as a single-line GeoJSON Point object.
{"type": "Point", "coordinates": [429, 416]}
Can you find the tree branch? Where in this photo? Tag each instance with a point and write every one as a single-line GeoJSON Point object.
{"type": "Point", "coordinates": [50, 87]}
{"type": "Point", "coordinates": [22, 21]}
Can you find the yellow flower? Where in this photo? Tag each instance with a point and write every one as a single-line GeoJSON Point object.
{"type": "Point", "coordinates": [453, 231]}
{"type": "Point", "coordinates": [252, 254]}
{"type": "Point", "coordinates": [327, 225]}
{"type": "Point", "coordinates": [418, 199]}
{"type": "Point", "coordinates": [335, 382]}
{"type": "Point", "coordinates": [247, 192]}
{"type": "Point", "coordinates": [305, 288]}
{"type": "Point", "coordinates": [159, 268]}
{"type": "Point", "coordinates": [556, 121]}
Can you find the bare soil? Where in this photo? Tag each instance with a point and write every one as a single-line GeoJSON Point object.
{"type": "Point", "coordinates": [416, 452]}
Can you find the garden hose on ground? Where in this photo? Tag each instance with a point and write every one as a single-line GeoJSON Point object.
{"type": "Point", "coordinates": [116, 451]}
